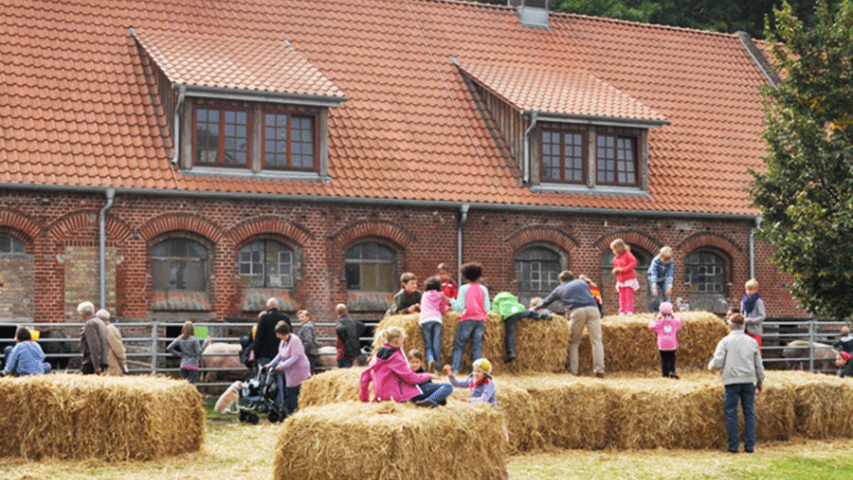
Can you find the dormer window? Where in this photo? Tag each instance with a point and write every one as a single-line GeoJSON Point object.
{"type": "Point", "coordinates": [221, 137]}
{"type": "Point", "coordinates": [289, 141]}
{"type": "Point", "coordinates": [563, 155]}
{"type": "Point", "coordinates": [617, 160]}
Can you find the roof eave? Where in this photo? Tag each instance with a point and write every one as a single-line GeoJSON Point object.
{"type": "Point", "coordinates": [261, 96]}
{"type": "Point", "coordinates": [597, 120]}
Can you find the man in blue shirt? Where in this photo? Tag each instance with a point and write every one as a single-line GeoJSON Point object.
{"type": "Point", "coordinates": [26, 358]}
{"type": "Point", "coordinates": [660, 278]}
{"type": "Point", "coordinates": [577, 297]}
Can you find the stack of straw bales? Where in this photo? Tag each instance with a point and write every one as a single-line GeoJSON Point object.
{"type": "Point", "coordinates": [541, 345]}
{"type": "Point", "coordinates": [110, 418]}
{"type": "Point", "coordinates": [331, 386]}
{"type": "Point", "coordinates": [458, 442]}
{"type": "Point", "coordinates": [629, 345]}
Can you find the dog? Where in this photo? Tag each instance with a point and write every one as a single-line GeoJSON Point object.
{"type": "Point", "coordinates": [228, 399]}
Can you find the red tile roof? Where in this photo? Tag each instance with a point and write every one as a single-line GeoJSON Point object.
{"type": "Point", "coordinates": [565, 93]}
{"type": "Point", "coordinates": [77, 109]}
{"type": "Point", "coordinates": [243, 64]}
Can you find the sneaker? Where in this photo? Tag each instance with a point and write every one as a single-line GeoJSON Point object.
{"type": "Point", "coordinates": [732, 451]}
{"type": "Point", "coordinates": [425, 404]}
{"type": "Point", "coordinates": [674, 375]}
{"type": "Point", "coordinates": [748, 451]}
{"type": "Point", "coordinates": [510, 357]}
{"type": "Point", "coordinates": [599, 375]}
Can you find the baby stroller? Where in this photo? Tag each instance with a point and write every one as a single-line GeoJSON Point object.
{"type": "Point", "coordinates": [257, 396]}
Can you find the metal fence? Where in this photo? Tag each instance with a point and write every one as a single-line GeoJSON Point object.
{"type": "Point", "coordinates": [811, 348]}
{"type": "Point", "coordinates": [146, 343]}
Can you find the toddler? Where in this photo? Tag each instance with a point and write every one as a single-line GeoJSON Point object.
{"type": "Point", "coordinates": [595, 291]}
{"type": "Point", "coordinates": [666, 327]}
{"type": "Point", "coordinates": [479, 381]}
{"type": "Point", "coordinates": [433, 305]}
{"type": "Point", "coordinates": [624, 264]}
{"type": "Point", "coordinates": [845, 366]}
{"type": "Point", "coordinates": [473, 302]}
{"type": "Point", "coordinates": [416, 360]}
{"type": "Point", "coordinates": [448, 286]}
{"type": "Point", "coordinates": [752, 309]}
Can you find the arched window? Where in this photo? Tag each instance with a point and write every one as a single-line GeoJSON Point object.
{"type": "Point", "coordinates": [10, 244]}
{"type": "Point", "coordinates": [179, 264]}
{"type": "Point", "coordinates": [608, 289]}
{"type": "Point", "coordinates": [371, 266]}
{"type": "Point", "coordinates": [266, 264]}
{"type": "Point", "coordinates": [705, 277]}
{"type": "Point", "coordinates": [537, 269]}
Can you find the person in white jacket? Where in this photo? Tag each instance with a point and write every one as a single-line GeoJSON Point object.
{"type": "Point", "coordinates": [738, 357]}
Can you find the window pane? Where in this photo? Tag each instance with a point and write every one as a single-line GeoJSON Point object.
{"type": "Point", "coordinates": [10, 244]}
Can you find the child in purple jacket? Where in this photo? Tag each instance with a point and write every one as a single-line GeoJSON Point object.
{"type": "Point", "coordinates": [479, 381]}
{"type": "Point", "coordinates": [394, 380]}
{"type": "Point", "coordinates": [666, 327]}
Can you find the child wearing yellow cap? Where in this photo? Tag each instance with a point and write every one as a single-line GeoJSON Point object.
{"type": "Point", "coordinates": [479, 381]}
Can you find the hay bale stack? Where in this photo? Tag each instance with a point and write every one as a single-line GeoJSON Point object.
{"type": "Point", "coordinates": [331, 386]}
{"type": "Point", "coordinates": [629, 345]}
{"type": "Point", "coordinates": [541, 345]}
{"type": "Point", "coordinates": [392, 441]}
{"type": "Point", "coordinates": [522, 419]}
{"type": "Point", "coordinates": [824, 404]}
{"type": "Point", "coordinates": [109, 418]}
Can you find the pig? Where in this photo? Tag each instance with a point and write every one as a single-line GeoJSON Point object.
{"type": "Point", "coordinates": [222, 355]}
{"type": "Point", "coordinates": [824, 355]}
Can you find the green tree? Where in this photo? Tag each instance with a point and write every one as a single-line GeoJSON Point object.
{"type": "Point", "coordinates": [806, 194]}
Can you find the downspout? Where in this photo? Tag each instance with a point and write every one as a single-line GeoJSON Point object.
{"type": "Point", "coordinates": [102, 246]}
{"type": "Point", "coordinates": [177, 124]}
{"type": "Point", "coordinates": [752, 246]}
{"type": "Point", "coordinates": [527, 147]}
{"type": "Point", "coordinates": [463, 217]}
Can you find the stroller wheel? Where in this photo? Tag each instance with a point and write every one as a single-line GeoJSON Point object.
{"type": "Point", "coordinates": [253, 419]}
{"type": "Point", "coordinates": [274, 416]}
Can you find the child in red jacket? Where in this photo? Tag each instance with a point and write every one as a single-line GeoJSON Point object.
{"type": "Point", "coordinates": [624, 264]}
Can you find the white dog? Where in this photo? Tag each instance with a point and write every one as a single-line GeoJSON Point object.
{"type": "Point", "coordinates": [228, 399]}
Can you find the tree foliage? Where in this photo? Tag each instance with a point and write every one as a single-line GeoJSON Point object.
{"type": "Point", "coordinates": [806, 194]}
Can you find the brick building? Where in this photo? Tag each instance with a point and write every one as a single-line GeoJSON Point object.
{"type": "Point", "coordinates": [188, 160]}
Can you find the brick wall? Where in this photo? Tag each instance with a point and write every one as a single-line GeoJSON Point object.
{"type": "Point", "coordinates": [61, 235]}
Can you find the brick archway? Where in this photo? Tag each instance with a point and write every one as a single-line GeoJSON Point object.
{"type": "Point", "coordinates": [19, 224]}
{"type": "Point", "coordinates": [389, 231]}
{"type": "Point", "coordinates": [712, 240]}
{"type": "Point", "coordinates": [631, 237]}
{"type": "Point", "coordinates": [171, 222]}
{"type": "Point", "coordinates": [528, 235]}
{"type": "Point", "coordinates": [268, 224]}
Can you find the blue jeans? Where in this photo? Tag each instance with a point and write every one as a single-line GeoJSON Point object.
{"type": "Point", "coordinates": [292, 399]}
{"type": "Point", "coordinates": [436, 393]}
{"type": "Point", "coordinates": [432, 342]}
{"type": "Point", "coordinates": [345, 363]}
{"type": "Point", "coordinates": [189, 375]}
{"type": "Point", "coordinates": [465, 329]}
{"type": "Point", "coordinates": [656, 300]}
{"type": "Point", "coordinates": [745, 394]}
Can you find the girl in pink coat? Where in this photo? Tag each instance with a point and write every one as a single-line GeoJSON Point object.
{"type": "Point", "coordinates": [624, 264]}
{"type": "Point", "coordinates": [667, 327]}
{"type": "Point", "coordinates": [393, 379]}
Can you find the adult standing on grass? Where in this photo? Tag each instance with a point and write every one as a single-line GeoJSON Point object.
{"type": "Point", "coordinates": [116, 357]}
{"type": "Point", "coordinates": [347, 337]}
{"type": "Point", "coordinates": [94, 342]}
{"type": "Point", "coordinates": [266, 341]}
{"type": "Point", "coordinates": [739, 359]}
{"type": "Point", "coordinates": [577, 297]}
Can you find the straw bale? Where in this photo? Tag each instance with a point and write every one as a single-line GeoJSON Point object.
{"type": "Point", "coordinates": [824, 403]}
{"type": "Point", "coordinates": [629, 345]}
{"type": "Point", "coordinates": [541, 345]}
{"type": "Point", "coordinates": [110, 418]}
{"type": "Point", "coordinates": [392, 441]}
{"type": "Point", "coordinates": [331, 386]}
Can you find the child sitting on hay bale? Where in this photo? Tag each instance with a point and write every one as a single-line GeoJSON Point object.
{"type": "Point", "coordinates": [479, 381]}
{"type": "Point", "coordinates": [667, 327]}
{"type": "Point", "coordinates": [394, 380]}
{"type": "Point", "coordinates": [473, 302]}
{"type": "Point", "coordinates": [416, 360]}
{"type": "Point", "coordinates": [512, 311]}
{"type": "Point", "coordinates": [26, 357]}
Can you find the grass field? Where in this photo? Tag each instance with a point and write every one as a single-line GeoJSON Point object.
{"type": "Point", "coordinates": [240, 451]}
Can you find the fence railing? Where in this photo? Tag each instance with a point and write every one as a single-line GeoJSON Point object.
{"type": "Point", "coordinates": [811, 348]}
{"type": "Point", "coordinates": [146, 343]}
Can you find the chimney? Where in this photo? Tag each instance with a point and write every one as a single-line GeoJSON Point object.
{"type": "Point", "coordinates": [533, 13]}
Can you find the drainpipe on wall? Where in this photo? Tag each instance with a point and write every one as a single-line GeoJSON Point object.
{"type": "Point", "coordinates": [463, 217]}
{"type": "Point", "coordinates": [752, 246]}
{"type": "Point", "coordinates": [527, 147]}
{"type": "Point", "coordinates": [177, 123]}
{"type": "Point", "coordinates": [102, 246]}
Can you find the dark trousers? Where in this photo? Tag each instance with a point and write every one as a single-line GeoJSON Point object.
{"type": "Point", "coordinates": [667, 362]}
{"type": "Point", "coordinates": [743, 393]}
{"type": "Point", "coordinates": [312, 361]}
{"type": "Point", "coordinates": [345, 363]}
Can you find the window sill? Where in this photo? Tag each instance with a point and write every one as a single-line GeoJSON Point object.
{"type": "Point", "coordinates": [583, 189]}
{"type": "Point", "coordinates": [246, 173]}
{"type": "Point", "coordinates": [184, 301]}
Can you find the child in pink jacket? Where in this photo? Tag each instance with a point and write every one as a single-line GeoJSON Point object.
{"type": "Point", "coordinates": [666, 327]}
{"type": "Point", "coordinates": [624, 264]}
{"type": "Point", "coordinates": [394, 380]}
{"type": "Point", "coordinates": [434, 303]}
